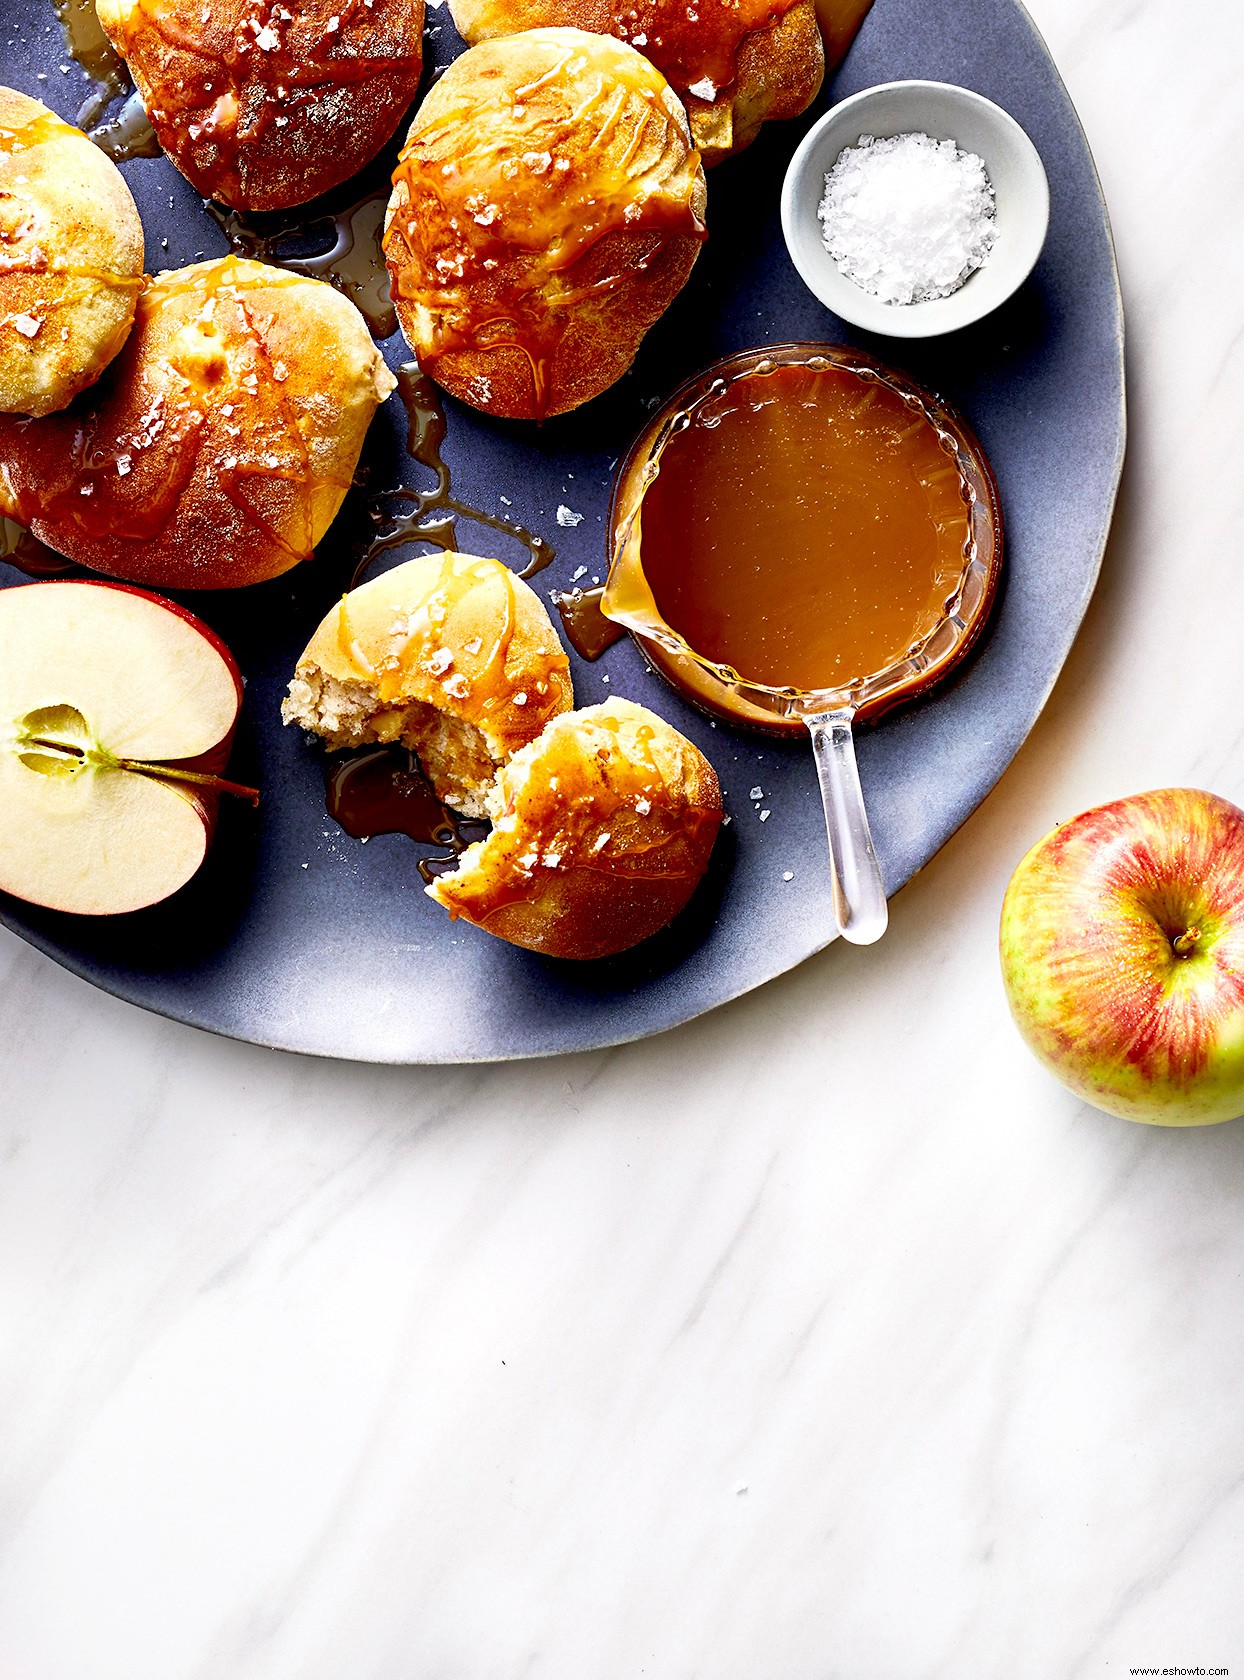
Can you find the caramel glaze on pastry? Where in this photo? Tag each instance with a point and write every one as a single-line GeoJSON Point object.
{"type": "Point", "coordinates": [734, 63]}
{"type": "Point", "coordinates": [217, 448]}
{"type": "Point", "coordinates": [603, 828]}
{"type": "Point", "coordinates": [262, 103]}
{"type": "Point", "coordinates": [71, 259]}
{"type": "Point", "coordinates": [547, 208]}
{"type": "Point", "coordinates": [449, 654]}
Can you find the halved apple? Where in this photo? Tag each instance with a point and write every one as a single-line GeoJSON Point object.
{"type": "Point", "coordinates": [117, 712]}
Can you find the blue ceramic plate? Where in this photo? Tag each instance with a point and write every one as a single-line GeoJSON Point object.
{"type": "Point", "coordinates": [296, 936]}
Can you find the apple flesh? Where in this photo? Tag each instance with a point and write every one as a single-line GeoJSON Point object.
{"type": "Point", "coordinates": [1123, 956]}
{"type": "Point", "coordinates": [117, 712]}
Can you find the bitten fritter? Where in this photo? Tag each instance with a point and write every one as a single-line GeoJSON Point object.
{"type": "Point", "coordinates": [449, 654]}
{"type": "Point", "coordinates": [602, 830]}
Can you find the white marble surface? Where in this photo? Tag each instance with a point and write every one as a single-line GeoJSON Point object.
{"type": "Point", "coordinates": [824, 1339]}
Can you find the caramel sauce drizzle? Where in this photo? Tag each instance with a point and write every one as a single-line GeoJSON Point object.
{"type": "Point", "coordinates": [353, 261]}
{"type": "Point", "coordinates": [498, 196]}
{"type": "Point", "coordinates": [433, 513]}
{"type": "Point", "coordinates": [566, 799]}
{"type": "Point", "coordinates": [690, 41]}
{"type": "Point", "coordinates": [587, 629]}
{"type": "Point", "coordinates": [129, 134]}
{"type": "Point", "coordinates": [21, 247]}
{"type": "Point", "coordinates": [41, 128]}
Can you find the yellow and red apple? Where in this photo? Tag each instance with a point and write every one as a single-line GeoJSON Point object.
{"type": "Point", "coordinates": [117, 711]}
{"type": "Point", "coordinates": [1123, 956]}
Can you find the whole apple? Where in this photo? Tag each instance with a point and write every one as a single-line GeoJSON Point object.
{"type": "Point", "coordinates": [1123, 956]}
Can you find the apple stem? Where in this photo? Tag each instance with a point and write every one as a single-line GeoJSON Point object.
{"type": "Point", "coordinates": [165, 772]}
{"type": "Point", "coordinates": [1187, 942]}
{"type": "Point", "coordinates": [217, 784]}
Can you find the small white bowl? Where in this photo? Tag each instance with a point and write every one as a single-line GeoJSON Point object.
{"type": "Point", "coordinates": [946, 112]}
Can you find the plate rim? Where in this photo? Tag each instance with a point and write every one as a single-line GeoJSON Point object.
{"type": "Point", "coordinates": [611, 1041]}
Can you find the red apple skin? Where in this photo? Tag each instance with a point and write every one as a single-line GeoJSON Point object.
{"type": "Point", "coordinates": [1095, 981]}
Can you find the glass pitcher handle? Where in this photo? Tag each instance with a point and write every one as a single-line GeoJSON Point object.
{"type": "Point", "coordinates": [859, 892]}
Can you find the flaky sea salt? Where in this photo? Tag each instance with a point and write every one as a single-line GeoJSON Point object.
{"type": "Point", "coordinates": [908, 218]}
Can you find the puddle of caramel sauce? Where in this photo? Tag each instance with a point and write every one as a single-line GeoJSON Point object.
{"type": "Point", "coordinates": [352, 259]}
{"type": "Point", "coordinates": [382, 790]}
{"type": "Point", "coordinates": [587, 629]}
{"type": "Point", "coordinates": [432, 514]}
{"type": "Point", "coordinates": [28, 554]}
{"type": "Point", "coordinates": [127, 135]}
{"type": "Point", "coordinates": [90, 48]}
{"type": "Point", "coordinates": [806, 527]}
{"type": "Point", "coordinates": [130, 133]}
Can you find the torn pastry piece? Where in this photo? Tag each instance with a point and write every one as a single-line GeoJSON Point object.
{"type": "Point", "coordinates": [603, 828]}
{"type": "Point", "coordinates": [71, 259]}
{"type": "Point", "coordinates": [263, 104]}
{"type": "Point", "coordinates": [735, 64]}
{"type": "Point", "coordinates": [217, 448]}
{"type": "Point", "coordinates": [547, 207]}
{"type": "Point", "coordinates": [449, 654]}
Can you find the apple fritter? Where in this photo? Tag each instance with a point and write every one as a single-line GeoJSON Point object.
{"type": "Point", "coordinates": [602, 830]}
{"type": "Point", "coordinates": [262, 104]}
{"type": "Point", "coordinates": [547, 208]}
{"type": "Point", "coordinates": [218, 447]}
{"type": "Point", "coordinates": [71, 259]}
{"type": "Point", "coordinates": [735, 64]}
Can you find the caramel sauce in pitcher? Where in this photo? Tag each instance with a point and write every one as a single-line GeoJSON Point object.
{"type": "Point", "coordinates": [806, 528]}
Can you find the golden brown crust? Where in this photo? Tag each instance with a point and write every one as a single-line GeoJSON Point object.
{"type": "Point", "coordinates": [262, 104]}
{"type": "Point", "coordinates": [604, 827]}
{"type": "Point", "coordinates": [458, 632]}
{"type": "Point", "coordinates": [780, 71]}
{"type": "Point", "coordinates": [71, 259]}
{"type": "Point", "coordinates": [748, 61]}
{"type": "Point", "coordinates": [218, 447]}
{"type": "Point", "coordinates": [547, 208]}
